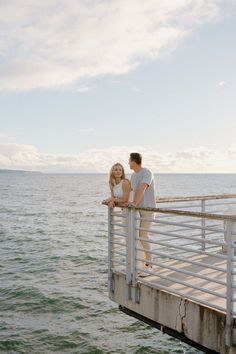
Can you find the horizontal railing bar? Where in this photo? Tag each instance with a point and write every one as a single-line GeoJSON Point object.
{"type": "Point", "coordinates": [195, 198]}
{"type": "Point", "coordinates": [189, 244]}
{"type": "Point", "coordinates": [188, 250]}
{"type": "Point", "coordinates": [200, 234]}
{"type": "Point", "coordinates": [117, 233]}
{"type": "Point", "coordinates": [185, 229]}
{"type": "Point", "coordinates": [199, 240]}
{"type": "Point", "coordinates": [165, 239]}
{"type": "Point", "coordinates": [173, 223]}
{"type": "Point", "coordinates": [185, 213]}
{"type": "Point", "coordinates": [188, 213]}
{"type": "Point", "coordinates": [215, 246]}
{"type": "Point", "coordinates": [182, 271]}
{"type": "Point", "coordinates": [216, 211]}
{"type": "Point", "coordinates": [118, 243]}
{"type": "Point", "coordinates": [209, 233]}
{"type": "Point", "coordinates": [119, 253]}
{"type": "Point", "coordinates": [166, 277]}
{"type": "Point", "coordinates": [215, 227]}
{"type": "Point", "coordinates": [179, 293]}
{"type": "Point", "coordinates": [185, 206]}
{"type": "Point", "coordinates": [194, 227]}
{"type": "Point", "coordinates": [220, 203]}
{"type": "Point", "coordinates": [186, 260]}
{"type": "Point", "coordinates": [194, 220]}
{"type": "Point", "coordinates": [118, 262]}
{"type": "Point", "coordinates": [117, 259]}
{"type": "Point", "coordinates": [118, 224]}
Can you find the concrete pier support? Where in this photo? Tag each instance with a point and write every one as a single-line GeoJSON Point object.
{"type": "Point", "coordinates": [199, 325]}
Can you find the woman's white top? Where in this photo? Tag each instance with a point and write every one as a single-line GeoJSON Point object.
{"type": "Point", "coordinates": [118, 190]}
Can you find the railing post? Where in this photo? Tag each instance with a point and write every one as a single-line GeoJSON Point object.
{"type": "Point", "coordinates": [229, 301]}
{"type": "Point", "coordinates": [131, 255]}
{"type": "Point", "coordinates": [134, 290]}
{"type": "Point", "coordinates": [203, 223]}
{"type": "Point", "coordinates": [128, 253]}
{"type": "Point", "coordinates": [110, 250]}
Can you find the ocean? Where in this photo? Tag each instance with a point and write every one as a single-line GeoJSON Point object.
{"type": "Point", "coordinates": [53, 265]}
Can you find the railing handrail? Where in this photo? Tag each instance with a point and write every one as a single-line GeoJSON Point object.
{"type": "Point", "coordinates": [194, 198]}
{"type": "Point", "coordinates": [195, 214]}
{"type": "Point", "coordinates": [190, 213]}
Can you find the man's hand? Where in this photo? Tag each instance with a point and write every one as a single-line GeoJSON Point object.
{"type": "Point", "coordinates": [132, 204]}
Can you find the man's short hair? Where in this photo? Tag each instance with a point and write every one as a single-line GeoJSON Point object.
{"type": "Point", "coordinates": [136, 157]}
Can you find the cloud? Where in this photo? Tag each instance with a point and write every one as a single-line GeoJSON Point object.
{"type": "Point", "coordinates": [58, 43]}
{"type": "Point", "coordinates": [84, 89]}
{"type": "Point", "coordinates": [222, 83]}
{"type": "Point", "coordinates": [9, 136]}
{"type": "Point", "coordinates": [201, 159]}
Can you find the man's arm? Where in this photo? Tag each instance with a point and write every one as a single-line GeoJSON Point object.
{"type": "Point", "coordinates": [139, 194]}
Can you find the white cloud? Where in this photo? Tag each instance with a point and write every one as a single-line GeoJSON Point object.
{"type": "Point", "coordinates": [9, 136]}
{"type": "Point", "coordinates": [57, 43]}
{"type": "Point", "coordinates": [222, 83]}
{"type": "Point", "coordinates": [195, 160]}
{"type": "Point", "coordinates": [84, 89]}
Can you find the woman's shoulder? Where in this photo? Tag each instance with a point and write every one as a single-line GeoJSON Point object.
{"type": "Point", "coordinates": [126, 182]}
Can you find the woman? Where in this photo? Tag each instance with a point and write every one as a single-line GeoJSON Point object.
{"type": "Point", "coordinates": [119, 186]}
{"type": "Point", "coordinates": [120, 194]}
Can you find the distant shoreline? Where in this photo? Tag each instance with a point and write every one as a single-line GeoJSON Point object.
{"type": "Point", "coordinates": [2, 170]}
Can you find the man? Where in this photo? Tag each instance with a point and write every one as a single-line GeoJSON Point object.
{"type": "Point", "coordinates": [143, 191]}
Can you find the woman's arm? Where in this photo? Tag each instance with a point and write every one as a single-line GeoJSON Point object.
{"type": "Point", "coordinates": [126, 191]}
{"type": "Point", "coordinates": [110, 199]}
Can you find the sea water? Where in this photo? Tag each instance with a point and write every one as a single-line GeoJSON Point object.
{"type": "Point", "coordinates": [53, 265]}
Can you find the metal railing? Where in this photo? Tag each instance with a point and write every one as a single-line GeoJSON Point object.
{"type": "Point", "coordinates": [189, 250]}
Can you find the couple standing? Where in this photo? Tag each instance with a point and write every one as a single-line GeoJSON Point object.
{"type": "Point", "coordinates": [140, 192]}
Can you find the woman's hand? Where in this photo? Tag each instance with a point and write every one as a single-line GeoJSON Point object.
{"type": "Point", "coordinates": [111, 204]}
{"type": "Point", "coordinates": [108, 200]}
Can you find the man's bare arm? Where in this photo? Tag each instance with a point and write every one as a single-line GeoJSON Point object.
{"type": "Point", "coordinates": [139, 194]}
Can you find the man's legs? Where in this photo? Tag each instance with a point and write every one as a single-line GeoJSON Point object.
{"type": "Point", "coordinates": [144, 234]}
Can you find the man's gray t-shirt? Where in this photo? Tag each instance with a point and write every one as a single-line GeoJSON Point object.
{"type": "Point", "coordinates": [144, 176]}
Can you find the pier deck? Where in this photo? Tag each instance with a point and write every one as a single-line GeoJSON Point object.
{"type": "Point", "coordinates": [190, 290]}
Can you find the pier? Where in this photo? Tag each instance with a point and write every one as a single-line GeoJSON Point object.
{"type": "Point", "coordinates": [188, 291]}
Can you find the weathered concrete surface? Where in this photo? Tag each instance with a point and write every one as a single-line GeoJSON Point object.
{"type": "Point", "coordinates": [199, 323]}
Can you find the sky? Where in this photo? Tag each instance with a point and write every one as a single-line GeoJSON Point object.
{"type": "Point", "coordinates": [85, 82]}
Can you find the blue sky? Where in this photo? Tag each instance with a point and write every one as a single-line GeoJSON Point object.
{"type": "Point", "coordinates": [83, 83]}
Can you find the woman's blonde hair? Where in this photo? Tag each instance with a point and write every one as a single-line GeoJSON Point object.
{"type": "Point", "coordinates": [112, 180]}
